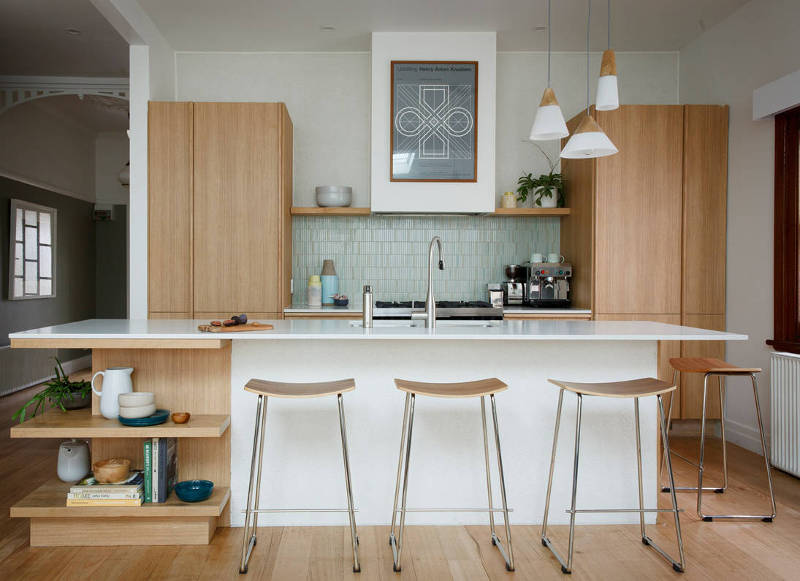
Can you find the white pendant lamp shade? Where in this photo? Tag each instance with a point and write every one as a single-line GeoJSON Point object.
{"type": "Point", "coordinates": [588, 141]}
{"type": "Point", "coordinates": [607, 91]}
{"type": "Point", "coordinates": [549, 121]}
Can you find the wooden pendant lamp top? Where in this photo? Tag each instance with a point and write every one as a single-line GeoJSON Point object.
{"type": "Point", "coordinates": [588, 125]}
{"type": "Point", "coordinates": [548, 98]}
{"type": "Point", "coordinates": [608, 67]}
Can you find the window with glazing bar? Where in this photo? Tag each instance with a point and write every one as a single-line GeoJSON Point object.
{"type": "Point", "coordinates": [33, 251]}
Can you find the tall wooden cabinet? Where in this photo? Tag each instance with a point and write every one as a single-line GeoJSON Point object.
{"type": "Point", "coordinates": [647, 230]}
{"type": "Point", "coordinates": [219, 202]}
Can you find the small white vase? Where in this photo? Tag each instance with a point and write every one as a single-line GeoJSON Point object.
{"type": "Point", "coordinates": [545, 202]}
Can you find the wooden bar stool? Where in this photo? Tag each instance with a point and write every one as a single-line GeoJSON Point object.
{"type": "Point", "coordinates": [265, 389]}
{"type": "Point", "coordinates": [710, 367]}
{"type": "Point", "coordinates": [634, 389]}
{"type": "Point", "coordinates": [481, 389]}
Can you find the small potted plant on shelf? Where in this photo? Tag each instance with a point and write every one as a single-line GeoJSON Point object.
{"type": "Point", "coordinates": [547, 190]}
{"type": "Point", "coordinates": [59, 392]}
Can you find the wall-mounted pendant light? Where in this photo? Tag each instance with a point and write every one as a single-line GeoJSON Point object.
{"type": "Point", "coordinates": [607, 89]}
{"type": "Point", "coordinates": [589, 140]}
{"type": "Point", "coordinates": [549, 121]}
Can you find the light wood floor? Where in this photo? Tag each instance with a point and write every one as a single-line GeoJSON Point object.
{"type": "Point", "coordinates": [714, 550]}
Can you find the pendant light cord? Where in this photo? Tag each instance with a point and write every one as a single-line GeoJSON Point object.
{"type": "Point", "coordinates": [588, 24]}
{"type": "Point", "coordinates": [549, 35]}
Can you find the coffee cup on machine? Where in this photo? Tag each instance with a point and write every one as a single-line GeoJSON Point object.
{"type": "Point", "coordinates": [537, 257]}
{"type": "Point", "coordinates": [555, 257]}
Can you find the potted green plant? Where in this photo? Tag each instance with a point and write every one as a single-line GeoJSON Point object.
{"type": "Point", "coordinates": [59, 392]}
{"type": "Point", "coordinates": [547, 190]}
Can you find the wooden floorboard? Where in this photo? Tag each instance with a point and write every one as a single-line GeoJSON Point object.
{"type": "Point", "coordinates": [719, 550]}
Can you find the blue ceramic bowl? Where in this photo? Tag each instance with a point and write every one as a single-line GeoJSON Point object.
{"type": "Point", "coordinates": [194, 490]}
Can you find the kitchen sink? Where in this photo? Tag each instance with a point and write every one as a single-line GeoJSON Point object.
{"type": "Point", "coordinates": [419, 324]}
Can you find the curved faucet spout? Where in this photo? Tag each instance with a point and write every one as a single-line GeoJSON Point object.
{"type": "Point", "coordinates": [430, 302]}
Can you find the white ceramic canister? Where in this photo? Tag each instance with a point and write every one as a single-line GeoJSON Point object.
{"type": "Point", "coordinates": [73, 460]}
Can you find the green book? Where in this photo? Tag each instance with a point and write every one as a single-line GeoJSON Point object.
{"type": "Point", "coordinates": [148, 473]}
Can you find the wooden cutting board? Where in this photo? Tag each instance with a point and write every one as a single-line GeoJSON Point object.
{"type": "Point", "coordinates": [235, 328]}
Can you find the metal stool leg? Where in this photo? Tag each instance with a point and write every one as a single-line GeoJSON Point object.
{"type": "Point", "coordinates": [722, 394]}
{"type": "Point", "coordinates": [678, 566]}
{"type": "Point", "coordinates": [488, 470]}
{"type": "Point", "coordinates": [348, 485]}
{"type": "Point", "coordinates": [764, 517]}
{"type": "Point", "coordinates": [251, 517]}
{"type": "Point", "coordinates": [639, 466]}
{"type": "Point", "coordinates": [509, 558]}
{"type": "Point", "coordinates": [397, 545]}
{"type": "Point", "coordinates": [545, 540]}
{"type": "Point", "coordinates": [400, 458]}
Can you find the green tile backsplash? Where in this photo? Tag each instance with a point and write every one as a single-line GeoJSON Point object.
{"type": "Point", "coordinates": [391, 252]}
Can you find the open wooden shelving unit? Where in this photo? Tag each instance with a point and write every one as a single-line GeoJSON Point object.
{"type": "Point", "coordinates": [185, 378]}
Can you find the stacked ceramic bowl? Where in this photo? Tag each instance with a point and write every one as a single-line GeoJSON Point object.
{"type": "Point", "coordinates": [136, 404]}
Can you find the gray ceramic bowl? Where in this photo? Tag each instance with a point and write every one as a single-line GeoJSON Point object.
{"type": "Point", "coordinates": [334, 196]}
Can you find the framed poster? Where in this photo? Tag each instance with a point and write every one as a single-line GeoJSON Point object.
{"type": "Point", "coordinates": [434, 121]}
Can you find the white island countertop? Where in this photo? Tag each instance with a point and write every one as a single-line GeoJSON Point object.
{"type": "Point", "coordinates": [528, 330]}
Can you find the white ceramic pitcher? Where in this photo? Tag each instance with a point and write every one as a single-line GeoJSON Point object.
{"type": "Point", "coordinates": [116, 380]}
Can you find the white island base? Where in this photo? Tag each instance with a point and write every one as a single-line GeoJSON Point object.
{"type": "Point", "coordinates": [303, 459]}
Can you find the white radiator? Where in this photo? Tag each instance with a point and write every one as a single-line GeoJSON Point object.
{"type": "Point", "coordinates": [785, 412]}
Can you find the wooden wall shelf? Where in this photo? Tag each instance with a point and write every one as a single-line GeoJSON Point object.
{"type": "Point", "coordinates": [532, 212]}
{"type": "Point", "coordinates": [81, 424]}
{"type": "Point", "coordinates": [50, 499]}
{"type": "Point", "coordinates": [315, 211]}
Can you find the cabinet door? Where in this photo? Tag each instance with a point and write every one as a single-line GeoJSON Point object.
{"type": "Point", "coordinates": [169, 209]}
{"type": "Point", "coordinates": [705, 181]}
{"type": "Point", "coordinates": [692, 383]}
{"type": "Point", "coordinates": [638, 211]}
{"type": "Point", "coordinates": [237, 208]}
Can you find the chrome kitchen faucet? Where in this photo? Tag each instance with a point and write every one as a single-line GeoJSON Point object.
{"type": "Point", "coordinates": [430, 302]}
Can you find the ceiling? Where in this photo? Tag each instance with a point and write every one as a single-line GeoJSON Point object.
{"type": "Point", "coordinates": [34, 41]}
{"type": "Point", "coordinates": [282, 25]}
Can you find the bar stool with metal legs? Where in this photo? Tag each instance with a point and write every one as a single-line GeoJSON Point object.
{"type": "Point", "coordinates": [480, 388]}
{"type": "Point", "coordinates": [634, 389]}
{"type": "Point", "coordinates": [264, 390]}
{"type": "Point", "coordinates": [710, 367]}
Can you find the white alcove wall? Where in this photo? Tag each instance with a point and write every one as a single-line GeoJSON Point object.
{"type": "Point", "coordinates": [387, 196]}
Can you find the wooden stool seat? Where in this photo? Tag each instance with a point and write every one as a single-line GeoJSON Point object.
{"type": "Point", "coordinates": [477, 388]}
{"type": "Point", "coordinates": [298, 390]}
{"type": "Point", "coordinates": [709, 365]}
{"type": "Point", "coordinates": [633, 388]}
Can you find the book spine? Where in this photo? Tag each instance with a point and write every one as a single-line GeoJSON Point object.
{"type": "Point", "coordinates": [154, 467]}
{"type": "Point", "coordinates": [95, 489]}
{"type": "Point", "coordinates": [104, 502]}
{"type": "Point", "coordinates": [103, 495]}
{"type": "Point", "coordinates": [148, 476]}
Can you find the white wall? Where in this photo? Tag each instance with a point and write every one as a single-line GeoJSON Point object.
{"type": "Point", "coordinates": [111, 154]}
{"type": "Point", "coordinates": [328, 96]}
{"type": "Point", "coordinates": [40, 147]}
{"type": "Point", "coordinates": [757, 44]}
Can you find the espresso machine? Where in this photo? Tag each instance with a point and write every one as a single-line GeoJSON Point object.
{"type": "Point", "coordinates": [514, 288]}
{"type": "Point", "coordinates": [548, 285]}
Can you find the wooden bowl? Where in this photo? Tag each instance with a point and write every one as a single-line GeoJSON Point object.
{"type": "Point", "coordinates": [180, 417]}
{"type": "Point", "coordinates": [111, 470]}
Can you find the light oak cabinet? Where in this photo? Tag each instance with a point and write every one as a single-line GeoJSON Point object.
{"type": "Point", "coordinates": [647, 230]}
{"type": "Point", "coordinates": [220, 196]}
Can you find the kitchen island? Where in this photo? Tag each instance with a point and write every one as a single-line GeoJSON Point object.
{"type": "Point", "coordinates": [204, 374]}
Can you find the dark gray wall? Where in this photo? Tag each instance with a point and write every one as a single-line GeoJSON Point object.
{"type": "Point", "coordinates": [111, 266]}
{"type": "Point", "coordinates": [75, 280]}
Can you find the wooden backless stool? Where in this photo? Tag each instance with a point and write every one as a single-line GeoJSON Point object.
{"type": "Point", "coordinates": [716, 367]}
{"type": "Point", "coordinates": [634, 389]}
{"type": "Point", "coordinates": [264, 390]}
{"type": "Point", "coordinates": [481, 389]}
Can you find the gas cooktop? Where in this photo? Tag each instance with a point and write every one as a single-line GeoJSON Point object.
{"type": "Point", "coordinates": [469, 310]}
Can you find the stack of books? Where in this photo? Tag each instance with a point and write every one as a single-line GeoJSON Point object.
{"type": "Point", "coordinates": [160, 468]}
{"type": "Point", "coordinates": [89, 492]}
